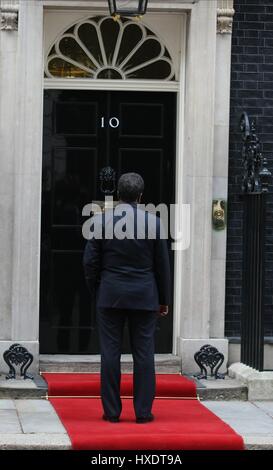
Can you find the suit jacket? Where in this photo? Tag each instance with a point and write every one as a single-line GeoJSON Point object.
{"type": "Point", "coordinates": [128, 273]}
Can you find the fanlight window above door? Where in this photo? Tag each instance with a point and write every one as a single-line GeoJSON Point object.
{"type": "Point", "coordinates": [101, 48]}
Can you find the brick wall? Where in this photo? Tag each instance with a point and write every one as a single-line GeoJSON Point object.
{"type": "Point", "coordinates": [251, 91]}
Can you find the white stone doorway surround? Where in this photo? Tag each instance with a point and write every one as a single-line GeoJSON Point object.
{"type": "Point", "coordinates": [201, 168]}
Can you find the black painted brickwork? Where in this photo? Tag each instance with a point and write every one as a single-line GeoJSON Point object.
{"type": "Point", "coordinates": [251, 91]}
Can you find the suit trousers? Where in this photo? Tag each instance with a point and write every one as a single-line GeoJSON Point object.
{"type": "Point", "coordinates": [141, 325]}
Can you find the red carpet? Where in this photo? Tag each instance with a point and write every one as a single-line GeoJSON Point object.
{"type": "Point", "coordinates": [167, 385]}
{"type": "Point", "coordinates": [180, 424]}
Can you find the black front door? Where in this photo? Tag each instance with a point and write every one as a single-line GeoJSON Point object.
{"type": "Point", "coordinates": [85, 131]}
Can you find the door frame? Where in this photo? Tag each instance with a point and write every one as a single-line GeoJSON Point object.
{"type": "Point", "coordinates": [201, 119]}
{"type": "Point", "coordinates": [177, 87]}
{"type": "Point", "coordinates": [27, 97]}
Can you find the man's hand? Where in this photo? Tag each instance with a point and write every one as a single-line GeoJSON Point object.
{"type": "Point", "coordinates": [163, 310]}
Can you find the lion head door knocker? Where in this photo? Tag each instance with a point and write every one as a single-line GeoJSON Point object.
{"type": "Point", "coordinates": [107, 180]}
{"type": "Point", "coordinates": [107, 187]}
{"type": "Point", "coordinates": [219, 207]}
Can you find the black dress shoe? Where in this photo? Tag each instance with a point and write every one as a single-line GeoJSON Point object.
{"type": "Point", "coordinates": [111, 419]}
{"type": "Point", "coordinates": [146, 419]}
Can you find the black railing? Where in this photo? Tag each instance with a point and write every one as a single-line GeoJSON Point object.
{"type": "Point", "coordinates": [255, 182]}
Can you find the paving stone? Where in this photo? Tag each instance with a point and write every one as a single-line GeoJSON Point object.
{"type": "Point", "coordinates": [9, 422]}
{"type": "Point", "coordinates": [7, 404]}
{"type": "Point", "coordinates": [243, 417]}
{"type": "Point", "coordinates": [34, 406]}
{"type": "Point", "coordinates": [35, 422]}
{"type": "Point", "coordinates": [266, 406]}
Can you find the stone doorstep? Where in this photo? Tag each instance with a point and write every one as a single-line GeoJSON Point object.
{"type": "Point", "coordinates": [19, 388]}
{"type": "Point", "coordinates": [227, 389]}
{"type": "Point", "coordinates": [165, 363]}
{"type": "Point", "coordinates": [259, 384]}
{"type": "Point", "coordinates": [211, 389]}
{"type": "Point", "coordinates": [37, 388]}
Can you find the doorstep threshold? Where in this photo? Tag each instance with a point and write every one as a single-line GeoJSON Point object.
{"type": "Point", "coordinates": [96, 358]}
{"type": "Point", "coordinates": [165, 363]}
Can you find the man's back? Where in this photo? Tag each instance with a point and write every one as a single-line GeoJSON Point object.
{"type": "Point", "coordinates": [133, 269]}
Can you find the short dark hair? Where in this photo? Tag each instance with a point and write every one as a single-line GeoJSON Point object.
{"type": "Point", "coordinates": [130, 186]}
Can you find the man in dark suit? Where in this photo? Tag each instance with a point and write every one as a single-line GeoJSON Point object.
{"type": "Point", "coordinates": [131, 279]}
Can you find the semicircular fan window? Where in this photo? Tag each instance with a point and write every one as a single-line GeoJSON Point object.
{"type": "Point", "coordinates": [105, 49]}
